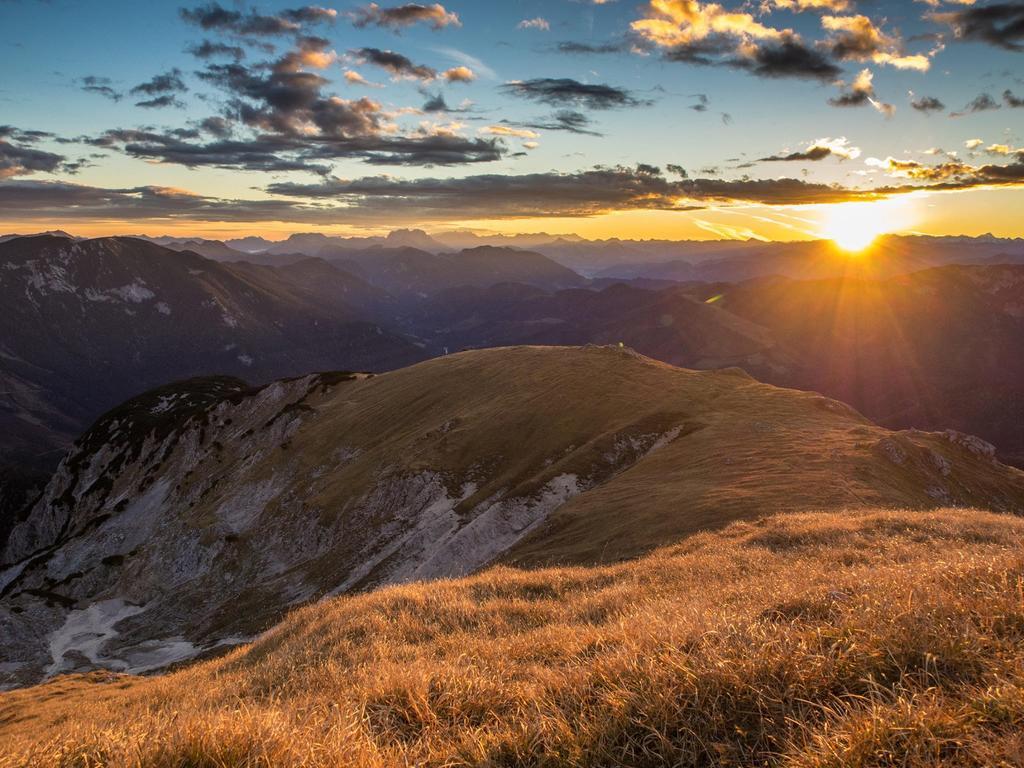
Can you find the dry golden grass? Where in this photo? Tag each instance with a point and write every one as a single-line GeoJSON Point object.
{"type": "Point", "coordinates": [839, 639]}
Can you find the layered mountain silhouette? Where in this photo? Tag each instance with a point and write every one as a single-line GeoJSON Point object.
{"type": "Point", "coordinates": [89, 323]}
{"type": "Point", "coordinates": [93, 322]}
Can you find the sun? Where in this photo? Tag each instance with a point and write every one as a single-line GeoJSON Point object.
{"type": "Point", "coordinates": [855, 226]}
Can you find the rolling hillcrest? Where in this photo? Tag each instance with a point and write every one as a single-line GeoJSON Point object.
{"type": "Point", "coordinates": [195, 515]}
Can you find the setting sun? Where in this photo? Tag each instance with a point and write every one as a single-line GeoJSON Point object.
{"type": "Point", "coordinates": [855, 226]}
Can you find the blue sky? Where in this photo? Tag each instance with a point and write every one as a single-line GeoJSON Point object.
{"type": "Point", "coordinates": [646, 116]}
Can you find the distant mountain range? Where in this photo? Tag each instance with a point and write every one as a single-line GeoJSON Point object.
{"type": "Point", "coordinates": [89, 323]}
{"type": "Point", "coordinates": [192, 517]}
{"type": "Point", "coordinates": [92, 322]}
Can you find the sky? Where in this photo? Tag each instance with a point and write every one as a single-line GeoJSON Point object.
{"type": "Point", "coordinates": [676, 119]}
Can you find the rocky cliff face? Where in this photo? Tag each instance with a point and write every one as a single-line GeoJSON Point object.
{"type": "Point", "coordinates": [192, 517]}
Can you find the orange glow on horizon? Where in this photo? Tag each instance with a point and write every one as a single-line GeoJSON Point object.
{"type": "Point", "coordinates": [848, 224]}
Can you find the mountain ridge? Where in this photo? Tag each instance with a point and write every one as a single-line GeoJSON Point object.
{"type": "Point", "coordinates": [205, 523]}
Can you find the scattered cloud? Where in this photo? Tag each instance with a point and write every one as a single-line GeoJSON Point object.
{"type": "Point", "coordinates": [100, 85]}
{"type": "Point", "coordinates": [708, 34]}
{"type": "Point", "coordinates": [400, 67]}
{"type": "Point", "coordinates": [161, 89]}
{"type": "Point", "coordinates": [861, 92]}
{"type": "Point", "coordinates": [210, 50]}
{"type": "Point", "coordinates": [818, 150]}
{"type": "Point", "coordinates": [1014, 102]}
{"type": "Point", "coordinates": [538, 22]}
{"type": "Point", "coordinates": [1000, 24]}
{"type": "Point", "coordinates": [983, 102]}
{"type": "Point", "coordinates": [565, 91]}
{"type": "Point", "coordinates": [927, 104]}
{"type": "Point", "coordinates": [857, 38]}
{"type": "Point", "coordinates": [213, 16]}
{"type": "Point", "coordinates": [401, 16]}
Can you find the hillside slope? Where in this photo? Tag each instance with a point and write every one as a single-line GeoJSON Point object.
{"type": "Point", "coordinates": [193, 516]}
{"type": "Point", "coordinates": [844, 639]}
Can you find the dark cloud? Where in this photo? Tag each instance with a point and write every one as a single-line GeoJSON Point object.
{"type": "Point", "coordinates": [100, 85]}
{"type": "Point", "coordinates": [790, 58]}
{"type": "Point", "coordinates": [24, 136]}
{"type": "Point", "coordinates": [927, 104]}
{"type": "Point", "coordinates": [212, 16]}
{"type": "Point", "coordinates": [851, 98]}
{"type": "Point", "coordinates": [787, 58]}
{"type": "Point", "coordinates": [169, 82]}
{"type": "Point", "coordinates": [1012, 101]}
{"type": "Point", "coordinates": [568, 120]}
{"type": "Point", "coordinates": [270, 152]}
{"type": "Point", "coordinates": [813, 154]}
{"type": "Point", "coordinates": [573, 47]}
{"type": "Point", "coordinates": [397, 17]}
{"type": "Point", "coordinates": [277, 117]}
{"type": "Point", "coordinates": [19, 160]}
{"type": "Point", "coordinates": [161, 89]}
{"type": "Point", "coordinates": [395, 63]}
{"type": "Point", "coordinates": [583, 193]}
{"type": "Point", "coordinates": [435, 104]}
{"type": "Point", "coordinates": [392, 199]}
{"type": "Point", "coordinates": [861, 92]}
{"type": "Point", "coordinates": [209, 50]}
{"type": "Point", "coordinates": [999, 24]}
{"type": "Point", "coordinates": [499, 195]}
{"type": "Point", "coordinates": [158, 102]}
{"type": "Point", "coordinates": [983, 102]}
{"type": "Point", "coordinates": [564, 91]}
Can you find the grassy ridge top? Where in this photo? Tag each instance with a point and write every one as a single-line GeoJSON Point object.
{"type": "Point", "coordinates": [828, 639]}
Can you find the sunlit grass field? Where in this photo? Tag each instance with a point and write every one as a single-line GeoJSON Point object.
{"type": "Point", "coordinates": [838, 639]}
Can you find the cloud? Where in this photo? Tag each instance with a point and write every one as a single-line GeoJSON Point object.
{"type": "Point", "coordinates": [406, 15]}
{"type": "Point", "coordinates": [24, 136]}
{"type": "Point", "coordinates": [400, 67]}
{"type": "Point", "coordinates": [818, 150]}
{"type": "Point", "coordinates": [707, 34]}
{"type": "Point", "coordinates": [161, 89]}
{"type": "Point", "coordinates": [16, 160]}
{"type": "Point", "coordinates": [1012, 101]}
{"type": "Point", "coordinates": [392, 199]}
{"type": "Point", "coordinates": [459, 75]}
{"type": "Point", "coordinates": [927, 104]}
{"type": "Point", "coordinates": [568, 120]}
{"type": "Point", "coordinates": [213, 16]}
{"type": "Point", "coordinates": [158, 102]}
{"type": "Point", "coordinates": [100, 85]}
{"type": "Point", "coordinates": [210, 50]}
{"type": "Point", "coordinates": [856, 38]}
{"type": "Point", "coordinates": [505, 130]}
{"type": "Point", "coordinates": [574, 47]}
{"type": "Point", "coordinates": [284, 121]}
{"type": "Point", "coordinates": [538, 22]}
{"type": "Point", "coordinates": [790, 58]}
{"type": "Point", "coordinates": [998, 24]}
{"type": "Point", "coordinates": [583, 193]}
{"type": "Point", "coordinates": [983, 102]}
{"type": "Point", "coordinates": [809, 5]}
{"type": "Point", "coordinates": [861, 92]}
{"type": "Point", "coordinates": [954, 175]}
{"type": "Point", "coordinates": [565, 91]}
{"type": "Point", "coordinates": [672, 23]}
